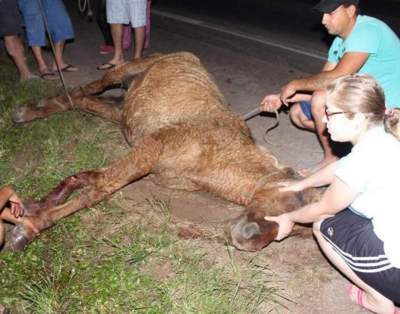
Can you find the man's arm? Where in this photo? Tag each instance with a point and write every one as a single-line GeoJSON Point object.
{"type": "Point", "coordinates": [350, 63]}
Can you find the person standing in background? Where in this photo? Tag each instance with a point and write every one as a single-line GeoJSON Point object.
{"type": "Point", "coordinates": [10, 28]}
{"type": "Point", "coordinates": [60, 29]}
{"type": "Point", "coordinates": [121, 12]}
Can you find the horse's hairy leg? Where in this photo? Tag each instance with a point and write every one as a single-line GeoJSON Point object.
{"type": "Point", "coordinates": [59, 104]}
{"type": "Point", "coordinates": [117, 75]}
{"type": "Point", "coordinates": [100, 108]}
{"type": "Point", "coordinates": [138, 163]}
{"type": "Point", "coordinates": [60, 193]}
{"type": "Point", "coordinates": [42, 109]}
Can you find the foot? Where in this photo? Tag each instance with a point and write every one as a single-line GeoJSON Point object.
{"type": "Point", "coordinates": [29, 77]}
{"type": "Point", "coordinates": [49, 76]}
{"type": "Point", "coordinates": [309, 171]}
{"type": "Point", "coordinates": [66, 68]}
{"type": "Point", "coordinates": [105, 66]}
{"type": "Point", "coordinates": [359, 297]}
{"type": "Point", "coordinates": [106, 49]}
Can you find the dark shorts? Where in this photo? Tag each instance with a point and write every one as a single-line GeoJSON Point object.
{"type": "Point", "coordinates": [10, 19]}
{"type": "Point", "coordinates": [306, 108]}
{"type": "Point", "coordinates": [354, 239]}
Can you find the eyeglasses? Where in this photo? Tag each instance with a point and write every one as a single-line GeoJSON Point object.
{"type": "Point", "coordinates": [329, 114]}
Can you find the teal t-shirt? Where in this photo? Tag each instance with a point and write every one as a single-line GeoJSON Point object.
{"type": "Point", "coordinates": [383, 46]}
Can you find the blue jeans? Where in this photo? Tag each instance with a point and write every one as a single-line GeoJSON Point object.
{"type": "Point", "coordinates": [59, 23]}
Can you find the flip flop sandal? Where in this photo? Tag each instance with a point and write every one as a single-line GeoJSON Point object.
{"type": "Point", "coordinates": [49, 76]}
{"type": "Point", "coordinates": [105, 66]}
{"type": "Point", "coordinates": [69, 68]}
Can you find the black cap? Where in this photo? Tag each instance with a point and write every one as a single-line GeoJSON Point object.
{"type": "Point", "coordinates": [327, 6]}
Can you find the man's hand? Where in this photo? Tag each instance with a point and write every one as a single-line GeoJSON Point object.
{"type": "Point", "coordinates": [287, 92]}
{"type": "Point", "coordinates": [271, 103]}
{"type": "Point", "coordinates": [285, 225]}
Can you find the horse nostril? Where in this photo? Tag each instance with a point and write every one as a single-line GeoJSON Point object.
{"type": "Point", "coordinates": [249, 230]}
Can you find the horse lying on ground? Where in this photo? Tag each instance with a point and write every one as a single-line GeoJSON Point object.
{"type": "Point", "coordinates": [182, 134]}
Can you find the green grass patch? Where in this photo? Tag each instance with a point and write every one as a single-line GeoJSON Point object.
{"type": "Point", "coordinates": [78, 267]}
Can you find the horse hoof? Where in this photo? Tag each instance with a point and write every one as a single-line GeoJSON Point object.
{"type": "Point", "coordinates": [18, 114]}
{"type": "Point", "coordinates": [19, 238]}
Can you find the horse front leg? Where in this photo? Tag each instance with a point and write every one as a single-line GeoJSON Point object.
{"type": "Point", "coordinates": [138, 163]}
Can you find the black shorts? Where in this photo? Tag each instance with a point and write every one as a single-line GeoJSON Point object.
{"type": "Point", "coordinates": [10, 18]}
{"type": "Point", "coordinates": [354, 239]}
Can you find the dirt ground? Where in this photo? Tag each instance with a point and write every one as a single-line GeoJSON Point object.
{"type": "Point", "coordinates": [296, 264]}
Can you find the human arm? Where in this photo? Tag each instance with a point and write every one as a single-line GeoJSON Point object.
{"type": "Point", "coordinates": [273, 102]}
{"type": "Point", "coordinates": [337, 197]}
{"type": "Point", "coordinates": [322, 177]}
{"type": "Point", "coordinates": [7, 194]}
{"type": "Point", "coordinates": [350, 63]}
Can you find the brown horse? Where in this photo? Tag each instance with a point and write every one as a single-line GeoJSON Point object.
{"type": "Point", "coordinates": [182, 133]}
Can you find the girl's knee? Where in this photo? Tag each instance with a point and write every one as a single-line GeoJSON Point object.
{"type": "Point", "coordinates": [317, 228]}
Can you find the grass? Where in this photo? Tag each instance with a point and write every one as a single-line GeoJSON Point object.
{"type": "Point", "coordinates": [94, 261]}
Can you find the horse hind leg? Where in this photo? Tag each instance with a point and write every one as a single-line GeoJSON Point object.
{"type": "Point", "coordinates": [138, 163]}
{"type": "Point", "coordinates": [61, 103]}
{"type": "Point", "coordinates": [117, 76]}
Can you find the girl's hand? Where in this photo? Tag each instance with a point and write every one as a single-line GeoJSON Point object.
{"type": "Point", "coordinates": [285, 225]}
{"type": "Point", "coordinates": [291, 186]}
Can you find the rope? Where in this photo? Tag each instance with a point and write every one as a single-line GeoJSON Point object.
{"type": "Point", "coordinates": [256, 111]}
{"type": "Point", "coordinates": [54, 53]}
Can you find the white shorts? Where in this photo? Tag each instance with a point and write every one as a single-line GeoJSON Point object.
{"type": "Point", "coordinates": [127, 11]}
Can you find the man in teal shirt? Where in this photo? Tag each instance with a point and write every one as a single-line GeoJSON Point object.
{"type": "Point", "coordinates": [363, 44]}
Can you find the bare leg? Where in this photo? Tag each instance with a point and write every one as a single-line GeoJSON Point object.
{"type": "Point", "coordinates": [140, 33]}
{"type": "Point", "coordinates": [318, 111]}
{"type": "Point", "coordinates": [16, 50]}
{"type": "Point", "coordinates": [372, 300]}
{"type": "Point", "coordinates": [116, 32]}
{"type": "Point", "coordinates": [300, 119]}
{"type": "Point", "coordinates": [58, 52]}
{"type": "Point", "coordinates": [136, 164]}
{"type": "Point", "coordinates": [37, 52]}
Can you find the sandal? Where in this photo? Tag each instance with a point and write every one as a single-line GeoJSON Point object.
{"type": "Point", "coordinates": [69, 68]}
{"type": "Point", "coordinates": [105, 66]}
{"type": "Point", "coordinates": [49, 76]}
